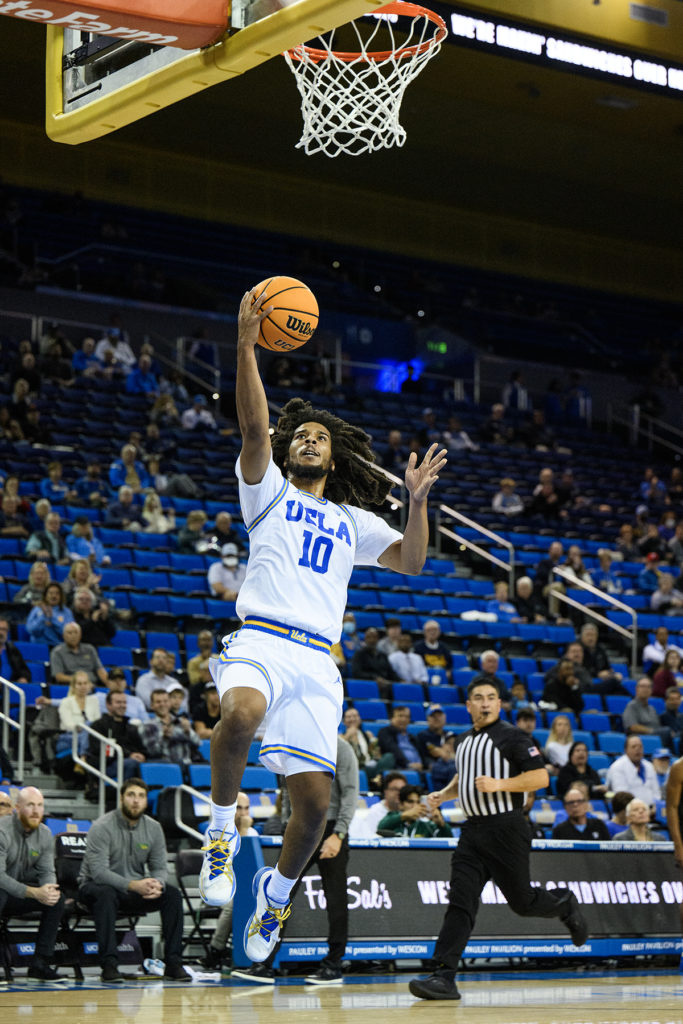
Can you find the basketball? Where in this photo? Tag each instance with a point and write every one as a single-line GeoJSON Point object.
{"type": "Point", "coordinates": [294, 318]}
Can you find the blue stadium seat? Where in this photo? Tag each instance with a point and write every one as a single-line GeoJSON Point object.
{"type": "Point", "coordinates": [611, 742]}
{"type": "Point", "coordinates": [598, 760]}
{"type": "Point", "coordinates": [444, 694]}
{"type": "Point", "coordinates": [182, 606]}
{"type": "Point", "coordinates": [522, 667]}
{"type": "Point", "coordinates": [115, 578]}
{"type": "Point", "coordinates": [402, 692]}
{"type": "Point", "coordinates": [129, 638]}
{"type": "Point", "coordinates": [32, 651]}
{"type": "Point", "coordinates": [200, 776]}
{"type": "Point", "coordinates": [158, 775]}
{"type": "Point", "coordinates": [615, 703]}
{"type": "Point", "coordinates": [596, 721]}
{"type": "Point", "coordinates": [437, 677]}
{"type": "Point", "coordinates": [146, 603]}
{"type": "Point", "coordinates": [151, 559]}
{"type": "Point", "coordinates": [582, 736]}
{"type": "Point", "coordinates": [362, 689]}
{"type": "Point", "coordinates": [457, 714]}
{"type": "Point", "coordinates": [169, 641]}
{"type": "Point", "coordinates": [372, 710]}
{"type": "Point", "coordinates": [110, 656]}
{"type": "Point", "coordinates": [593, 702]}
{"type": "Point", "coordinates": [551, 715]}
{"type": "Point", "coordinates": [258, 777]}
{"type": "Point", "coordinates": [185, 563]}
{"type": "Point", "coordinates": [149, 581]}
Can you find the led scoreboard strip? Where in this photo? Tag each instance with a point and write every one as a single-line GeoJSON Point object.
{"type": "Point", "coordinates": [563, 51]}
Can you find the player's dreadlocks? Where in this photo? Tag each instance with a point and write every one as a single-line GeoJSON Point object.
{"type": "Point", "coordinates": [353, 481]}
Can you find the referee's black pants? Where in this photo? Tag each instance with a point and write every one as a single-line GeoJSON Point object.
{"type": "Point", "coordinates": [494, 848]}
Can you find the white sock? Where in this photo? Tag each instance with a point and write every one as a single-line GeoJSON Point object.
{"type": "Point", "coordinates": [223, 818]}
{"type": "Point", "coordinates": [278, 887]}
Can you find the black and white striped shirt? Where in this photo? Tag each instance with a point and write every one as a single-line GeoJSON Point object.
{"type": "Point", "coordinates": [501, 751]}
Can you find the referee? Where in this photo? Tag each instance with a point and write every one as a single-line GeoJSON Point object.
{"type": "Point", "coordinates": [496, 765]}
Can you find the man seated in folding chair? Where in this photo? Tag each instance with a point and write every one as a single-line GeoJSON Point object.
{"type": "Point", "coordinates": [28, 880]}
{"type": "Point", "coordinates": [124, 871]}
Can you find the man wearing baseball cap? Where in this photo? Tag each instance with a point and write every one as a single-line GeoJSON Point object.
{"type": "Point", "coordinates": [430, 740]}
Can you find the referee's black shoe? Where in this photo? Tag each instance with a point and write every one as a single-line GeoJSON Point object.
{"type": "Point", "coordinates": [574, 920]}
{"type": "Point", "coordinates": [436, 986]}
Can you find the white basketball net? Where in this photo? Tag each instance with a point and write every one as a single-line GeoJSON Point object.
{"type": "Point", "coordinates": [350, 102]}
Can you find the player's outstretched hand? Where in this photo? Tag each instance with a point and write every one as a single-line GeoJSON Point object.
{"type": "Point", "coordinates": [250, 316]}
{"type": "Point", "coordinates": [419, 479]}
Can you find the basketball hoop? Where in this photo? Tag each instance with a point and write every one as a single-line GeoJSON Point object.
{"type": "Point", "coordinates": [350, 101]}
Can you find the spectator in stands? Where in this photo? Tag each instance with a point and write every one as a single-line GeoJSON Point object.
{"type": "Point", "coordinates": [114, 347]}
{"type": "Point", "coordinates": [408, 666]}
{"type": "Point", "coordinates": [11, 487]}
{"type": "Point", "coordinates": [495, 430]}
{"type": "Point", "coordinates": [154, 444]}
{"type": "Point", "coordinates": [456, 439]}
{"type": "Point", "coordinates": [12, 522]}
{"type": "Point", "coordinates": [48, 545]}
{"type": "Point", "coordinates": [79, 707]}
{"type": "Point", "coordinates": [639, 718]}
{"type": "Point", "coordinates": [116, 725]}
{"type": "Point", "coordinates": [40, 512]}
{"type": "Point", "coordinates": [343, 651]}
{"type": "Point", "coordinates": [128, 470]}
{"type": "Point", "coordinates": [515, 395]}
{"type": "Point", "coordinates": [617, 822]}
{"type": "Point", "coordinates": [125, 870]}
{"type": "Point", "coordinates": [389, 642]}
{"type": "Point", "coordinates": [84, 362]}
{"type": "Point", "coordinates": [53, 486]}
{"type": "Point", "coordinates": [225, 533]}
{"type": "Point", "coordinates": [94, 617]}
{"type": "Point", "coordinates": [210, 716]}
{"type": "Point", "coordinates": [538, 435]}
{"type": "Point", "coordinates": [674, 488]}
{"type": "Point", "coordinates": [414, 819]}
{"type": "Point", "coordinates": [165, 738]}
{"type": "Point", "coordinates": [528, 607]}
{"type": "Point", "coordinates": [432, 650]}
{"type": "Point", "coordinates": [12, 664]}
{"type": "Point", "coordinates": [227, 576]}
{"type": "Point", "coordinates": [177, 695]}
{"type": "Point", "coordinates": [395, 457]}
{"type": "Point", "coordinates": [118, 683]}
{"type": "Point", "coordinates": [28, 881]}
{"type": "Point", "coordinates": [671, 718]}
{"type": "Point", "coordinates": [369, 663]}
{"type": "Point", "coordinates": [675, 546]}
{"type": "Point", "coordinates": [519, 697]}
{"type": "Point", "coordinates": [198, 672]}
{"type": "Point", "coordinates": [32, 592]}
{"type": "Point", "coordinates": [91, 488]}
{"type": "Point", "coordinates": [364, 823]}
{"type": "Point", "coordinates": [25, 368]}
{"type": "Point", "coordinates": [55, 367]}
{"type": "Point", "coordinates": [579, 824]}
{"type": "Point", "coordinates": [576, 769]}
{"type": "Point", "coordinates": [626, 544]}
{"type": "Point", "coordinates": [574, 653]}
{"type": "Point", "coordinates": [669, 674]}
{"type": "Point", "coordinates": [81, 575]}
{"type": "Point", "coordinates": [667, 526]}
{"type": "Point", "coordinates": [156, 518]}
{"type": "Point", "coordinates": [545, 581]}
{"type": "Point", "coordinates": [366, 748]}
{"type": "Point", "coordinates": [34, 431]}
{"type": "Point", "coordinates": [395, 739]}
{"type": "Point", "coordinates": [595, 657]}
{"type": "Point", "coordinates": [605, 578]}
{"type": "Point", "coordinates": [488, 664]}
{"type": "Point", "coordinates": [562, 688]}
{"type": "Point", "coordinates": [198, 415]}
{"type": "Point", "coordinates": [633, 773]}
{"type": "Point", "coordinates": [72, 656]}
{"type": "Point", "coordinates": [501, 606]}
{"type": "Point", "coordinates": [47, 620]}
{"type": "Point", "coordinates": [157, 678]}
{"type": "Point", "coordinates": [430, 741]}
{"type": "Point", "coordinates": [559, 742]}
{"type": "Point", "coordinates": [429, 432]}
{"type": "Point", "coordinates": [191, 538]}
{"type": "Point", "coordinates": [573, 565]}
{"type": "Point", "coordinates": [637, 820]}
{"type": "Point", "coordinates": [141, 380]}
{"type": "Point", "coordinates": [165, 412]}
{"type": "Point", "coordinates": [666, 599]}
{"type": "Point", "coordinates": [546, 504]}
{"type": "Point", "coordinates": [652, 544]}
{"type": "Point", "coordinates": [81, 543]}
{"type": "Point", "coordinates": [653, 653]}
{"type": "Point", "coordinates": [126, 512]}
{"type": "Point", "coordinates": [412, 385]}
{"type": "Point", "coordinates": [6, 806]}
{"type": "Point", "coordinates": [661, 762]}
{"type": "Point", "coordinates": [19, 403]}
{"type": "Point", "coordinates": [652, 490]}
{"type": "Point", "coordinates": [506, 501]}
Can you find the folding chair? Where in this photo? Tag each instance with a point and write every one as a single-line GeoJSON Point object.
{"type": "Point", "coordinates": [203, 918]}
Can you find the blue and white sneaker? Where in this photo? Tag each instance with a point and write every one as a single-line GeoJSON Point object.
{"type": "Point", "coordinates": [263, 927]}
{"type": "Point", "coordinates": [217, 876]}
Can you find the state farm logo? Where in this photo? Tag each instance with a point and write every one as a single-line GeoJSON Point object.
{"type": "Point", "coordinates": [376, 897]}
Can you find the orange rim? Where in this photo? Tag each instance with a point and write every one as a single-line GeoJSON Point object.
{"type": "Point", "coordinates": [400, 7]}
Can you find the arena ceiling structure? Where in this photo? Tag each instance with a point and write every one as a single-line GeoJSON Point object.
{"type": "Point", "coordinates": [494, 132]}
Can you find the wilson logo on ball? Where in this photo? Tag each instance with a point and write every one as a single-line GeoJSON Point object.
{"type": "Point", "coordinates": [302, 327]}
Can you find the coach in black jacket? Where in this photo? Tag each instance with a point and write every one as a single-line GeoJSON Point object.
{"type": "Point", "coordinates": [116, 726]}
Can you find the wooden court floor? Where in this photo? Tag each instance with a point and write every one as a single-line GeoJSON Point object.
{"type": "Point", "coordinates": [515, 998]}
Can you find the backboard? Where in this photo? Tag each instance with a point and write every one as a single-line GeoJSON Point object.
{"type": "Point", "coordinates": [99, 81]}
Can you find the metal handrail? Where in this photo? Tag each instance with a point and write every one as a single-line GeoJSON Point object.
{"type": "Point", "coordinates": [101, 772]}
{"type": "Point", "coordinates": [631, 635]}
{"type": "Point", "coordinates": [9, 723]}
{"type": "Point", "coordinates": [178, 809]}
{"type": "Point", "coordinates": [446, 532]}
{"type": "Point", "coordinates": [634, 419]}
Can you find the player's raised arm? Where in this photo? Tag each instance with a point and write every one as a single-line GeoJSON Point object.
{"type": "Point", "coordinates": [408, 555]}
{"type": "Point", "coordinates": [252, 407]}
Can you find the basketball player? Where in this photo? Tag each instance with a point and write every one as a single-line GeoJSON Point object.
{"type": "Point", "coordinates": [497, 764]}
{"type": "Point", "coordinates": [304, 542]}
{"type": "Point", "coordinates": [674, 813]}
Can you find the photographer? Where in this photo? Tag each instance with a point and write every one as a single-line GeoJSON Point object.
{"type": "Point", "coordinates": [414, 818]}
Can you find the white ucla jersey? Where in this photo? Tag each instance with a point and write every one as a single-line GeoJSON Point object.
{"type": "Point", "coordinates": [302, 551]}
